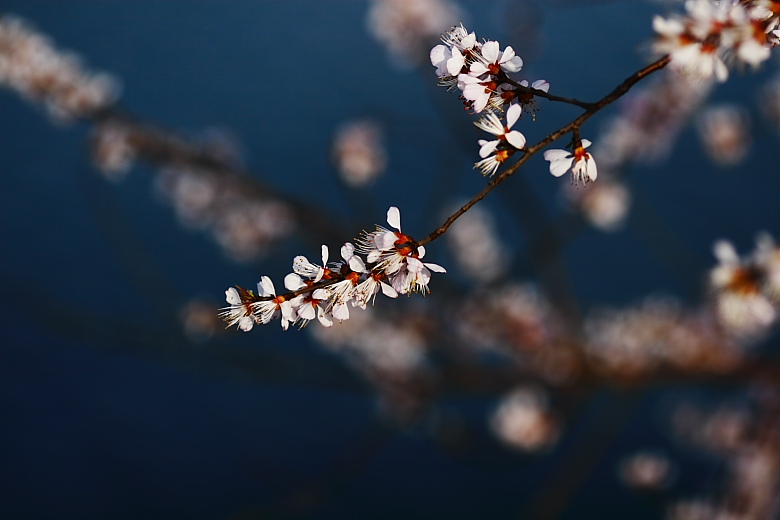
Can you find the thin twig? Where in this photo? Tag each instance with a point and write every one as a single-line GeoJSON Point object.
{"type": "Point", "coordinates": [618, 92]}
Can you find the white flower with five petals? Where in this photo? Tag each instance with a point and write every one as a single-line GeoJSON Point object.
{"type": "Point", "coordinates": [583, 168]}
{"type": "Point", "coordinates": [240, 310]}
{"type": "Point", "coordinates": [269, 309]}
{"type": "Point", "coordinates": [492, 60]}
{"type": "Point", "coordinates": [492, 124]}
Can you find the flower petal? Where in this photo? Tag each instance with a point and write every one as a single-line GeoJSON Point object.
{"type": "Point", "coordinates": [515, 138]}
{"type": "Point", "coordinates": [246, 323]}
{"type": "Point", "coordinates": [293, 282]}
{"type": "Point", "coordinates": [232, 297]}
{"type": "Point", "coordinates": [487, 148]}
{"type": "Point", "coordinates": [436, 268]}
{"type": "Point", "coordinates": [560, 166]}
{"type": "Point", "coordinates": [324, 319]}
{"type": "Point", "coordinates": [556, 155]}
{"type": "Point", "coordinates": [490, 51]}
{"type": "Point", "coordinates": [394, 217]}
{"type": "Point", "coordinates": [357, 265]}
{"type": "Point", "coordinates": [592, 170]}
{"type": "Point", "coordinates": [266, 287]}
{"type": "Point", "coordinates": [388, 290]}
{"type": "Point", "coordinates": [438, 54]}
{"type": "Point", "coordinates": [513, 114]}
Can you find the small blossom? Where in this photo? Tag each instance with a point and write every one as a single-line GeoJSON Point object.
{"type": "Point", "coordinates": [493, 61]}
{"type": "Point", "coordinates": [303, 267]}
{"type": "Point", "coordinates": [583, 168]}
{"type": "Point", "coordinates": [741, 305]}
{"type": "Point", "coordinates": [492, 124]}
{"type": "Point", "coordinates": [240, 312]}
{"type": "Point", "coordinates": [273, 308]}
{"type": "Point", "coordinates": [479, 91]}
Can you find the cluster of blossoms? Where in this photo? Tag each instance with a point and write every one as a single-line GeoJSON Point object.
{"type": "Point", "coordinates": [383, 260]}
{"type": "Point", "coordinates": [32, 66]}
{"type": "Point", "coordinates": [747, 290]}
{"type": "Point", "coordinates": [480, 71]}
{"type": "Point", "coordinates": [714, 33]}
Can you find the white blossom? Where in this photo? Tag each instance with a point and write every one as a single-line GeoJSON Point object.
{"type": "Point", "coordinates": [581, 163]}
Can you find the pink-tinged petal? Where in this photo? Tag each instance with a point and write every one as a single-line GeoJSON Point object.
{"type": "Point", "coordinates": [324, 319]}
{"type": "Point", "coordinates": [307, 312]}
{"type": "Point", "coordinates": [477, 69]}
{"type": "Point", "coordinates": [513, 65]}
{"type": "Point", "coordinates": [524, 83]}
{"type": "Point", "coordinates": [468, 41]}
{"type": "Point", "coordinates": [266, 287]}
{"type": "Point", "coordinates": [293, 282]}
{"type": "Point", "coordinates": [347, 251]}
{"type": "Point", "coordinates": [512, 115]}
{"type": "Point", "coordinates": [394, 217]}
{"type": "Point", "coordinates": [288, 313]}
{"type": "Point", "coordinates": [246, 323]}
{"type": "Point", "coordinates": [586, 143]}
{"type": "Point", "coordinates": [592, 170]}
{"type": "Point", "coordinates": [357, 265]}
{"type": "Point", "coordinates": [436, 268]}
{"type": "Point", "coordinates": [413, 264]}
{"type": "Point", "coordinates": [473, 91]}
{"type": "Point", "coordinates": [541, 84]}
{"type": "Point", "coordinates": [388, 290]}
{"type": "Point", "coordinates": [373, 256]}
{"type": "Point", "coordinates": [490, 51]}
{"type": "Point", "coordinates": [556, 155]}
{"type": "Point", "coordinates": [438, 54]}
{"type": "Point", "coordinates": [321, 294]}
{"type": "Point", "coordinates": [515, 138]}
{"type": "Point", "coordinates": [341, 311]}
{"type": "Point", "coordinates": [423, 277]}
{"type": "Point", "coordinates": [481, 103]}
{"type": "Point", "coordinates": [232, 297]}
{"type": "Point", "coordinates": [488, 147]}
{"type": "Point", "coordinates": [455, 63]}
{"type": "Point", "coordinates": [507, 55]}
{"type": "Point", "coordinates": [399, 282]}
{"type": "Point", "coordinates": [560, 166]}
{"type": "Point", "coordinates": [385, 241]}
{"type": "Point", "coordinates": [420, 251]}
{"type": "Point", "coordinates": [466, 79]}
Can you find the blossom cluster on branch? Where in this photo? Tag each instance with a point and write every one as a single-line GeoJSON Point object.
{"type": "Point", "coordinates": [480, 70]}
{"type": "Point", "coordinates": [383, 260]}
{"type": "Point", "coordinates": [711, 35]}
{"type": "Point", "coordinates": [31, 65]}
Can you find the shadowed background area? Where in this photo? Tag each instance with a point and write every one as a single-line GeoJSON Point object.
{"type": "Point", "coordinates": [114, 405]}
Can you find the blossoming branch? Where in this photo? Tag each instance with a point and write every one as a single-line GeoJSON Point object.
{"type": "Point", "coordinates": [698, 44]}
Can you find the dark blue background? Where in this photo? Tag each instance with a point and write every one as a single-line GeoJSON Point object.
{"type": "Point", "coordinates": [108, 411]}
